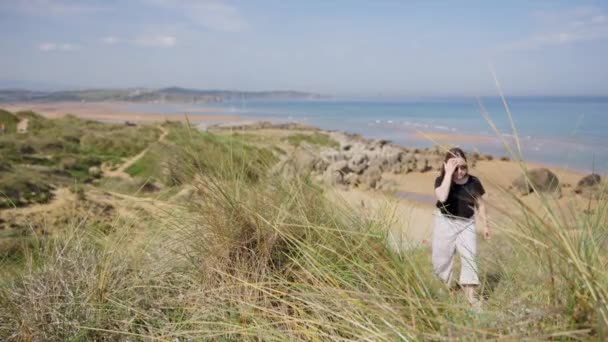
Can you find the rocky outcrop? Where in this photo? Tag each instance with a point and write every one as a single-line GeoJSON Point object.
{"type": "Point", "coordinates": [358, 163]}
{"type": "Point", "coordinates": [541, 180]}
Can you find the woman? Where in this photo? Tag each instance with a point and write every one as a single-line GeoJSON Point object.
{"type": "Point", "coordinates": [459, 200]}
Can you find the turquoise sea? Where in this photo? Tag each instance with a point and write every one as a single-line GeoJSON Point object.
{"type": "Point", "coordinates": [570, 132]}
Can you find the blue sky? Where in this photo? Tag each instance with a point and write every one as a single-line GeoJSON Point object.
{"type": "Point", "coordinates": [341, 47]}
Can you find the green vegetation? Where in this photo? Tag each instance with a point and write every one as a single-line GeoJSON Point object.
{"type": "Point", "coordinates": [255, 256]}
{"type": "Point", "coordinates": [187, 150]}
{"type": "Point", "coordinates": [60, 152]}
{"type": "Point", "coordinates": [21, 186]}
{"type": "Point", "coordinates": [320, 139]}
{"type": "Point", "coordinates": [9, 121]}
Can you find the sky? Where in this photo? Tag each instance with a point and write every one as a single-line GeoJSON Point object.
{"type": "Point", "coordinates": [334, 47]}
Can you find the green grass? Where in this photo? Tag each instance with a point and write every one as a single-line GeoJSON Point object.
{"type": "Point", "coordinates": [21, 187]}
{"type": "Point", "coordinates": [9, 120]}
{"type": "Point", "coordinates": [59, 152]}
{"type": "Point", "coordinates": [189, 150]}
{"type": "Point", "coordinates": [316, 138]}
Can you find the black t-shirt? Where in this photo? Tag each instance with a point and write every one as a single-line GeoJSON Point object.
{"type": "Point", "coordinates": [462, 197]}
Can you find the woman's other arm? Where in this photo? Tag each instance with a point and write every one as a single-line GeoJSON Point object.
{"type": "Point", "coordinates": [482, 218]}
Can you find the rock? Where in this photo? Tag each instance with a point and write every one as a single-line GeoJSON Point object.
{"type": "Point", "coordinates": [371, 177]}
{"type": "Point", "coordinates": [95, 172]}
{"type": "Point", "coordinates": [358, 163]}
{"type": "Point", "coordinates": [392, 158]}
{"type": "Point", "coordinates": [541, 179]}
{"type": "Point", "coordinates": [377, 163]}
{"type": "Point", "coordinates": [352, 179]}
{"type": "Point", "coordinates": [399, 168]}
{"type": "Point", "coordinates": [589, 180]}
{"type": "Point", "coordinates": [589, 186]}
{"type": "Point", "coordinates": [340, 166]}
{"type": "Point", "coordinates": [320, 166]}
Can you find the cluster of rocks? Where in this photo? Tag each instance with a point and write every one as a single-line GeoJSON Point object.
{"type": "Point", "coordinates": [360, 163]}
{"type": "Point", "coordinates": [544, 181]}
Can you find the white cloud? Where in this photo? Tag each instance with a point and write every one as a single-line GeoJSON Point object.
{"type": "Point", "coordinates": [561, 28]}
{"type": "Point", "coordinates": [47, 47]}
{"type": "Point", "coordinates": [52, 7]}
{"type": "Point", "coordinates": [215, 15]}
{"type": "Point", "coordinates": [50, 46]}
{"type": "Point", "coordinates": [164, 41]}
{"type": "Point", "coordinates": [110, 40]}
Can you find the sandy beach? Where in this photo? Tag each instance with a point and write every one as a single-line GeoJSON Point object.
{"type": "Point", "coordinates": [115, 112]}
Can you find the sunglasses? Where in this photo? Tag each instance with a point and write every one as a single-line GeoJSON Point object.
{"type": "Point", "coordinates": [462, 167]}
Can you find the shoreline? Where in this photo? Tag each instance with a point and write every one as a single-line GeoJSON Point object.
{"type": "Point", "coordinates": [119, 112]}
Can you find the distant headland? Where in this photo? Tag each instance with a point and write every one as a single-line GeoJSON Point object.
{"type": "Point", "coordinates": [163, 95]}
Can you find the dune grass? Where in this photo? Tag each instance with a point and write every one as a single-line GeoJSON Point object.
{"type": "Point", "coordinates": [259, 257]}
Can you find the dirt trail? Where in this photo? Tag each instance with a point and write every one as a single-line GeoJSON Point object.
{"type": "Point", "coordinates": [62, 196]}
{"type": "Point", "coordinates": [120, 172]}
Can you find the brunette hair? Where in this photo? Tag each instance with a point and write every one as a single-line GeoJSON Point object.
{"type": "Point", "coordinates": [452, 153]}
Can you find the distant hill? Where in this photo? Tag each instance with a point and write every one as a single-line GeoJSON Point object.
{"type": "Point", "coordinates": [171, 95]}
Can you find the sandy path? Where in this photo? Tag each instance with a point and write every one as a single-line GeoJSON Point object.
{"type": "Point", "coordinates": [120, 172]}
{"type": "Point", "coordinates": [63, 195]}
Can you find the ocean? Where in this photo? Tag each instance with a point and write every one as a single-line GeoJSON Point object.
{"type": "Point", "coordinates": [570, 132]}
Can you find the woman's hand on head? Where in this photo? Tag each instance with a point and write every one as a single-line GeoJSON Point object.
{"type": "Point", "coordinates": [451, 164]}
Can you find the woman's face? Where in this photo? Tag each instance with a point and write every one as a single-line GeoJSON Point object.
{"type": "Point", "coordinates": [461, 170]}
